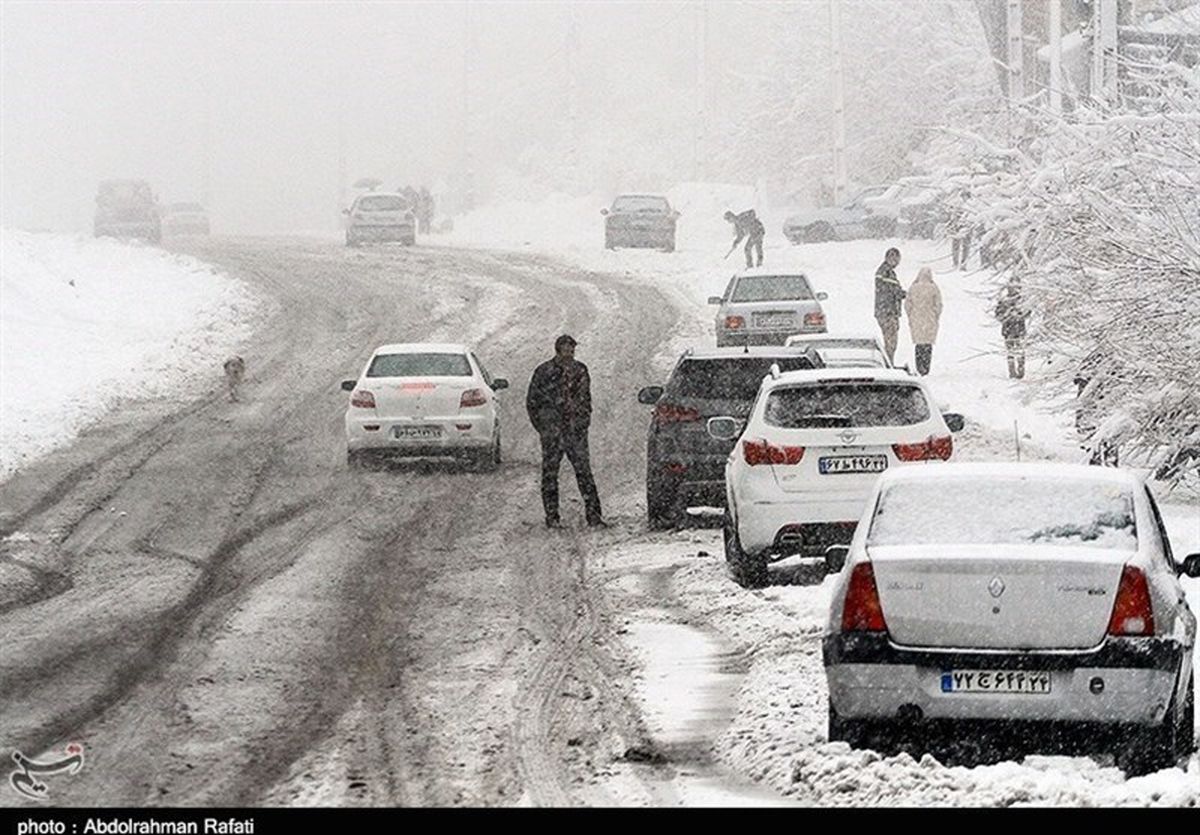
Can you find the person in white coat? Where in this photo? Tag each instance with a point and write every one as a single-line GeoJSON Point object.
{"type": "Point", "coordinates": [923, 305]}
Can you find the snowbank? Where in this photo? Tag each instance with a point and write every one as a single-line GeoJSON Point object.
{"type": "Point", "coordinates": [86, 323]}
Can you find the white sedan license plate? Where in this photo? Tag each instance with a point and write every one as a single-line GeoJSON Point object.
{"type": "Point", "coordinates": [1021, 682]}
{"type": "Point", "coordinates": [852, 464]}
{"type": "Point", "coordinates": [773, 320]}
{"type": "Point", "coordinates": [417, 433]}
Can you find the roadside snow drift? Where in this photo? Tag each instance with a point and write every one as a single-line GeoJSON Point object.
{"type": "Point", "coordinates": [87, 323]}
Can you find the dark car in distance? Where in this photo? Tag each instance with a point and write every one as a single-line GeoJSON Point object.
{"type": "Point", "coordinates": [127, 209]}
{"type": "Point", "coordinates": [685, 463]}
{"type": "Point", "coordinates": [640, 220]}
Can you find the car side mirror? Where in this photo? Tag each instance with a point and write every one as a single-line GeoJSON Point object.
{"type": "Point", "coordinates": [954, 421]}
{"type": "Point", "coordinates": [835, 557]}
{"type": "Point", "coordinates": [1191, 566]}
{"type": "Point", "coordinates": [604, 211]}
{"type": "Point", "coordinates": [348, 385]}
{"type": "Point", "coordinates": [724, 428]}
{"type": "Point", "coordinates": [499, 383]}
{"type": "Point", "coordinates": [822, 296]}
{"type": "Point", "coordinates": [650, 395]}
{"type": "Point", "coordinates": [715, 300]}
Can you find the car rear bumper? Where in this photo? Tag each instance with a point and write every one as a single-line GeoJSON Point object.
{"type": "Point", "coordinates": [366, 433]}
{"type": "Point", "coordinates": [639, 237]}
{"type": "Point", "coordinates": [400, 232]}
{"type": "Point", "coordinates": [1125, 681]}
{"type": "Point", "coordinates": [761, 524]}
{"type": "Point", "coordinates": [752, 337]}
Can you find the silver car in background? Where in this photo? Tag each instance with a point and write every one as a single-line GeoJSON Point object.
{"type": "Point", "coordinates": [1042, 598]}
{"type": "Point", "coordinates": [380, 216]}
{"type": "Point", "coordinates": [764, 307]}
{"type": "Point", "coordinates": [844, 350]}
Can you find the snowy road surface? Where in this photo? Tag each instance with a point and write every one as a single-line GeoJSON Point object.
{"type": "Point", "coordinates": [223, 614]}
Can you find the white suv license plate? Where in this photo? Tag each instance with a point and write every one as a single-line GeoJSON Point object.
{"type": "Point", "coordinates": [1017, 682]}
{"type": "Point", "coordinates": [417, 433]}
{"type": "Point", "coordinates": [852, 464]}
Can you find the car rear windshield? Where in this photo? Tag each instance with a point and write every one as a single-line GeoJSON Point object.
{"type": "Point", "coordinates": [1005, 511]}
{"type": "Point", "coordinates": [419, 365]}
{"type": "Point", "coordinates": [641, 204]}
{"type": "Point", "coordinates": [769, 288]}
{"type": "Point", "coordinates": [383, 203]}
{"type": "Point", "coordinates": [735, 378]}
{"type": "Point", "coordinates": [846, 404]}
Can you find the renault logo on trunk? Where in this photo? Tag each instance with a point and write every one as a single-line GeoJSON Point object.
{"type": "Point", "coordinates": [996, 587]}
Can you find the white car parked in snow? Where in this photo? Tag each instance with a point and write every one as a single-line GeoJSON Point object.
{"type": "Point", "coordinates": [844, 350]}
{"type": "Point", "coordinates": [815, 442]}
{"type": "Point", "coordinates": [1016, 593]}
{"type": "Point", "coordinates": [424, 400]}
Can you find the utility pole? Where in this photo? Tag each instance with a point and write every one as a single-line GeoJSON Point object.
{"type": "Point", "coordinates": [839, 104]}
{"type": "Point", "coordinates": [1015, 38]}
{"type": "Point", "coordinates": [468, 159]}
{"type": "Point", "coordinates": [1104, 49]}
{"type": "Point", "coordinates": [700, 138]}
{"type": "Point", "coordinates": [1056, 79]}
{"type": "Point", "coordinates": [572, 53]}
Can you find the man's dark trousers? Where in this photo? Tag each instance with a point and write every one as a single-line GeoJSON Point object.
{"type": "Point", "coordinates": [572, 443]}
{"type": "Point", "coordinates": [754, 243]}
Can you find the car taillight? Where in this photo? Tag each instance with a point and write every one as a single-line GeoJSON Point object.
{"type": "Point", "coordinates": [363, 400]}
{"type": "Point", "coordinates": [863, 611]}
{"type": "Point", "coordinates": [1132, 613]}
{"type": "Point", "coordinates": [927, 450]}
{"type": "Point", "coordinates": [670, 413]}
{"type": "Point", "coordinates": [734, 323]}
{"type": "Point", "coordinates": [764, 452]}
{"type": "Point", "coordinates": [814, 319]}
{"type": "Point", "coordinates": [472, 397]}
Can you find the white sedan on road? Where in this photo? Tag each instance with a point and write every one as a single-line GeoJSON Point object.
{"type": "Point", "coordinates": [424, 400]}
{"type": "Point", "coordinates": [845, 350]}
{"type": "Point", "coordinates": [799, 478]}
{"type": "Point", "coordinates": [1038, 594]}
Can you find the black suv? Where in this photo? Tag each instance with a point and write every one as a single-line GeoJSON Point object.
{"type": "Point", "coordinates": [685, 465]}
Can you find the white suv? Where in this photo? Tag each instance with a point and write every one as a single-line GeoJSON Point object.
{"type": "Point", "coordinates": [799, 477]}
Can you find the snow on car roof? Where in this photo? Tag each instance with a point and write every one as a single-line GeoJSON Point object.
{"type": "Point", "coordinates": [817, 375]}
{"type": "Point", "coordinates": [423, 348]}
{"type": "Point", "coordinates": [754, 351]}
{"type": "Point", "coordinates": [801, 338]}
{"type": "Point", "coordinates": [768, 272]}
{"type": "Point", "coordinates": [1040, 470]}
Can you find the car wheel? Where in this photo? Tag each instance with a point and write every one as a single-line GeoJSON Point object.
{"type": "Point", "coordinates": [1147, 750]}
{"type": "Point", "coordinates": [660, 505]}
{"type": "Point", "coordinates": [669, 246]}
{"type": "Point", "coordinates": [1186, 741]}
{"type": "Point", "coordinates": [818, 233]}
{"type": "Point", "coordinates": [852, 731]}
{"type": "Point", "coordinates": [749, 570]}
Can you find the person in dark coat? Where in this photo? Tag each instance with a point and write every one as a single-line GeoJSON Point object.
{"type": "Point", "coordinates": [559, 403]}
{"type": "Point", "coordinates": [747, 226]}
{"type": "Point", "coordinates": [888, 298]}
{"type": "Point", "coordinates": [1012, 315]}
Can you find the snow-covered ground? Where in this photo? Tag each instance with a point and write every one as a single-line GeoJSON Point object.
{"type": "Point", "coordinates": [86, 323]}
{"type": "Point", "coordinates": [778, 733]}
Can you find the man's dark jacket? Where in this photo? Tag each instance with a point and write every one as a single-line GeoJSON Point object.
{"type": "Point", "coordinates": [560, 397]}
{"type": "Point", "coordinates": [888, 293]}
{"type": "Point", "coordinates": [747, 225]}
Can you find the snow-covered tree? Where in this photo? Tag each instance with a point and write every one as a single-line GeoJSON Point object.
{"type": "Point", "coordinates": [1098, 217]}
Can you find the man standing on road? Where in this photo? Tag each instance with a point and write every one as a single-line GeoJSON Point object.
{"type": "Point", "coordinates": [559, 403]}
{"type": "Point", "coordinates": [748, 226]}
{"type": "Point", "coordinates": [888, 297]}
